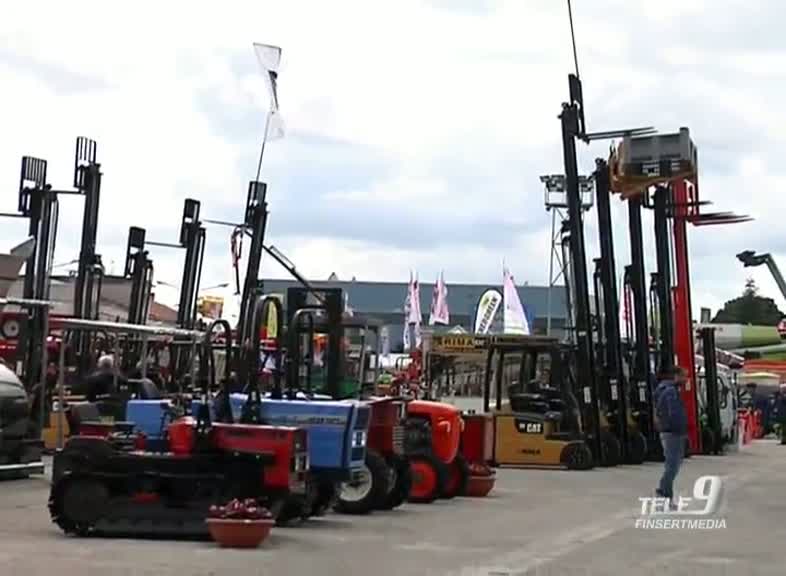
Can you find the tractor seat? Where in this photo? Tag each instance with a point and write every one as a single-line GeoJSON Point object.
{"type": "Point", "coordinates": [87, 415]}
{"type": "Point", "coordinates": [145, 389]}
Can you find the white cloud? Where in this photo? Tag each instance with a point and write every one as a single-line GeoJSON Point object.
{"type": "Point", "coordinates": [385, 103]}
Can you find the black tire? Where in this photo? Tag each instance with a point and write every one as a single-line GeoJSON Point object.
{"type": "Point", "coordinates": [610, 452]}
{"type": "Point", "coordinates": [417, 494]}
{"type": "Point", "coordinates": [291, 511]}
{"type": "Point", "coordinates": [637, 447]}
{"type": "Point", "coordinates": [76, 503]}
{"type": "Point", "coordinates": [373, 490]}
{"type": "Point", "coordinates": [326, 497]}
{"type": "Point", "coordinates": [577, 456]}
{"type": "Point", "coordinates": [399, 483]}
{"type": "Point", "coordinates": [457, 478]}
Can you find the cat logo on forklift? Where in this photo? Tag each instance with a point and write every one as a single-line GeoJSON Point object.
{"type": "Point", "coordinates": [529, 427]}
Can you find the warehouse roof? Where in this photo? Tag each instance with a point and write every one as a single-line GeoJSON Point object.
{"type": "Point", "coordinates": [388, 297]}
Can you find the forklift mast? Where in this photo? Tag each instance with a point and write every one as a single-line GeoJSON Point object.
{"type": "Point", "coordinates": [641, 367]}
{"type": "Point", "coordinates": [254, 224]}
{"type": "Point", "coordinates": [90, 273]}
{"type": "Point", "coordinates": [662, 201]}
{"type": "Point", "coordinates": [37, 202]}
{"type": "Point", "coordinates": [139, 268]}
{"type": "Point", "coordinates": [572, 119]}
{"type": "Point", "coordinates": [192, 238]}
{"type": "Point", "coordinates": [684, 207]}
{"type": "Point", "coordinates": [330, 304]}
{"type": "Point", "coordinates": [609, 341]}
{"type": "Point", "coordinates": [714, 432]}
{"type": "Point", "coordinates": [87, 181]}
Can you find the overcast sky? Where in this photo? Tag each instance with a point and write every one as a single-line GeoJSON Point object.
{"type": "Point", "coordinates": [416, 130]}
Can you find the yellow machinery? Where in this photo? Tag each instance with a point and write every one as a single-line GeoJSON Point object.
{"type": "Point", "coordinates": [537, 420]}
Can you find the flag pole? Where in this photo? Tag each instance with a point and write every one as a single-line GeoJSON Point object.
{"type": "Point", "coordinates": [262, 149]}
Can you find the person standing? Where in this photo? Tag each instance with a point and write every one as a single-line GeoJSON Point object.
{"type": "Point", "coordinates": [782, 413]}
{"type": "Point", "coordinates": [671, 420]}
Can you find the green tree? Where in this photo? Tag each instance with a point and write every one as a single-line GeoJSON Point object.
{"type": "Point", "coordinates": [750, 308]}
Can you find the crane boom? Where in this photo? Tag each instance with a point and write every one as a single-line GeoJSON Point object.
{"type": "Point", "coordinates": [750, 258]}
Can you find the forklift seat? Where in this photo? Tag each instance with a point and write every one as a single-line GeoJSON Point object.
{"type": "Point", "coordinates": [528, 402]}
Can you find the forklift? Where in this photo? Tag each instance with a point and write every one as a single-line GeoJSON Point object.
{"type": "Point", "coordinates": [537, 420]}
{"type": "Point", "coordinates": [660, 172]}
{"type": "Point", "coordinates": [600, 393]}
{"type": "Point", "coordinates": [616, 390]}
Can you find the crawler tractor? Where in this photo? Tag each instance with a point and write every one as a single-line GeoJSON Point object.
{"type": "Point", "coordinates": [101, 487]}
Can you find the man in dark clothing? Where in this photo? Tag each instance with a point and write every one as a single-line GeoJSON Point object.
{"type": "Point", "coordinates": [102, 381]}
{"type": "Point", "coordinates": [782, 413]}
{"type": "Point", "coordinates": [671, 420]}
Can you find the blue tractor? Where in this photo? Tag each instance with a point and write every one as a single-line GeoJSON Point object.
{"type": "Point", "coordinates": [337, 429]}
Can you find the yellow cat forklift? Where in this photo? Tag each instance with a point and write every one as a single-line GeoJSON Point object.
{"type": "Point", "coordinates": [537, 419]}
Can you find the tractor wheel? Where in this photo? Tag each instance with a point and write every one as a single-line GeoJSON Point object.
{"type": "Point", "coordinates": [399, 483]}
{"type": "Point", "coordinates": [291, 511]}
{"type": "Point", "coordinates": [637, 447]}
{"type": "Point", "coordinates": [609, 449]}
{"type": "Point", "coordinates": [362, 495]}
{"type": "Point", "coordinates": [577, 456]}
{"type": "Point", "coordinates": [325, 498]}
{"type": "Point", "coordinates": [429, 475]}
{"type": "Point", "coordinates": [458, 478]}
{"type": "Point", "coordinates": [77, 503]}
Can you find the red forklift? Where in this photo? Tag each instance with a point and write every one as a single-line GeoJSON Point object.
{"type": "Point", "coordinates": [660, 172]}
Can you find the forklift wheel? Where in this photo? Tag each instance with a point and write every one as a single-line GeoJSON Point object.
{"type": "Point", "coordinates": [577, 456]}
{"type": "Point", "coordinates": [399, 483]}
{"type": "Point", "coordinates": [457, 479]}
{"type": "Point", "coordinates": [610, 449]}
{"type": "Point", "coordinates": [429, 475]}
{"type": "Point", "coordinates": [360, 497]}
{"type": "Point", "coordinates": [637, 447]}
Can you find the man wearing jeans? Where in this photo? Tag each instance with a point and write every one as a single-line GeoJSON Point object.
{"type": "Point", "coordinates": [672, 423]}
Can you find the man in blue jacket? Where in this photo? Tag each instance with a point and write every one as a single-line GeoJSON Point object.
{"type": "Point", "coordinates": [671, 420]}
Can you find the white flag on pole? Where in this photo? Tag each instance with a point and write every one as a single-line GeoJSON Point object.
{"type": "Point", "coordinates": [407, 310]}
{"type": "Point", "coordinates": [269, 58]}
{"type": "Point", "coordinates": [412, 314]}
{"type": "Point", "coordinates": [347, 308]}
{"type": "Point", "coordinates": [414, 311]}
{"type": "Point", "coordinates": [514, 320]}
{"type": "Point", "coordinates": [439, 303]}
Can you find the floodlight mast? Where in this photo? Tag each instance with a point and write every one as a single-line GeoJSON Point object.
{"type": "Point", "coordinates": [556, 204]}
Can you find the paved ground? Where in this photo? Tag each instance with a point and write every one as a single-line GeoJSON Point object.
{"type": "Point", "coordinates": [535, 523]}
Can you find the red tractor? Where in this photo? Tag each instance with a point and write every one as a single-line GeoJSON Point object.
{"type": "Point", "coordinates": [102, 486]}
{"type": "Point", "coordinates": [477, 448]}
{"type": "Point", "coordinates": [433, 436]}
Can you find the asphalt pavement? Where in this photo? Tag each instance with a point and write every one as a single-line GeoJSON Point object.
{"type": "Point", "coordinates": [535, 522]}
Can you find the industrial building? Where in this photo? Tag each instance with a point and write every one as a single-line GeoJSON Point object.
{"type": "Point", "coordinates": [384, 301]}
